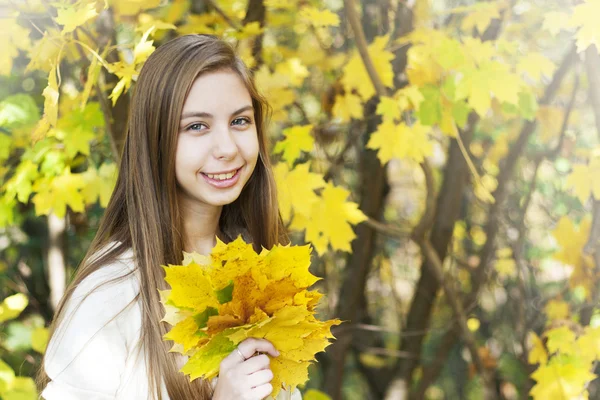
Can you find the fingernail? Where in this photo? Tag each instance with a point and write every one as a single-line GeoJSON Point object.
{"type": "Point", "coordinates": [278, 353]}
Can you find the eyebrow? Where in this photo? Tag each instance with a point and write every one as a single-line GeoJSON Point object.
{"type": "Point", "coordinates": [208, 115]}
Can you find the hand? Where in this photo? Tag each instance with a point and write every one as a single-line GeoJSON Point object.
{"type": "Point", "coordinates": [245, 376]}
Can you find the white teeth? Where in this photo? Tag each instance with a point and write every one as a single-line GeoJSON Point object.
{"type": "Point", "coordinates": [221, 177]}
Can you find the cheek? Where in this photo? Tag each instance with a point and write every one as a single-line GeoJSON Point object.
{"type": "Point", "coordinates": [186, 159]}
{"type": "Point", "coordinates": [251, 148]}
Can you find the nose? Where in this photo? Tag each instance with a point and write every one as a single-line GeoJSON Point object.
{"type": "Point", "coordinates": [224, 145]}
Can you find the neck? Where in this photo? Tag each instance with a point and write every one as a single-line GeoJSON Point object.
{"type": "Point", "coordinates": [200, 227]}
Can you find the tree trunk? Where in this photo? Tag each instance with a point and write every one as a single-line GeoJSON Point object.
{"type": "Point", "coordinates": [57, 276]}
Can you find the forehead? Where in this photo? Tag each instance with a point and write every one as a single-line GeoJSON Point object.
{"type": "Point", "coordinates": [219, 91]}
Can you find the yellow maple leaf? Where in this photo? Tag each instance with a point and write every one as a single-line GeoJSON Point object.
{"type": "Point", "coordinates": [144, 47]}
{"type": "Point", "coordinates": [185, 333]}
{"type": "Point", "coordinates": [409, 97]}
{"type": "Point", "coordinates": [562, 340]}
{"type": "Point", "coordinates": [56, 193]}
{"type": "Point", "coordinates": [571, 240]}
{"type": "Point", "coordinates": [249, 30]}
{"type": "Point", "coordinates": [132, 7]}
{"type": "Point", "coordinates": [276, 88]}
{"type": "Point", "coordinates": [555, 21]}
{"type": "Point", "coordinates": [537, 353]}
{"type": "Point", "coordinates": [480, 16]}
{"type": "Point", "coordinates": [230, 260]}
{"type": "Point", "coordinates": [347, 107]}
{"type": "Point", "coordinates": [556, 309]}
{"type": "Point", "coordinates": [491, 78]}
{"type": "Point", "coordinates": [319, 18]}
{"type": "Point", "coordinates": [296, 189]}
{"type": "Point", "coordinates": [297, 139]}
{"type": "Point", "coordinates": [582, 181]}
{"type": "Point", "coordinates": [147, 21]}
{"type": "Point", "coordinates": [99, 184]}
{"type": "Point", "coordinates": [190, 287]}
{"type": "Point", "coordinates": [388, 108]}
{"type": "Point", "coordinates": [173, 315]}
{"type": "Point", "coordinates": [421, 67]}
{"type": "Point", "coordinates": [589, 343]}
{"type": "Point", "coordinates": [355, 76]}
{"type": "Point", "coordinates": [73, 15]}
{"type": "Point", "coordinates": [477, 50]}
{"type": "Point", "coordinates": [91, 80]}
{"type": "Point", "coordinates": [561, 381]}
{"type": "Point", "coordinates": [293, 68]}
{"type": "Point", "coordinates": [14, 38]}
{"type": "Point", "coordinates": [535, 65]}
{"type": "Point", "coordinates": [401, 141]}
{"type": "Point", "coordinates": [296, 259]}
{"type": "Point", "coordinates": [50, 94]}
{"type": "Point", "coordinates": [585, 17]}
{"type": "Point", "coordinates": [330, 220]}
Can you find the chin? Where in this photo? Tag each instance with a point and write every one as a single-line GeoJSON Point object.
{"type": "Point", "coordinates": [223, 200]}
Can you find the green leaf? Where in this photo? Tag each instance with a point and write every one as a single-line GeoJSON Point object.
{"type": "Point", "coordinates": [39, 339]}
{"type": "Point", "coordinates": [226, 294]}
{"type": "Point", "coordinates": [528, 105]}
{"type": "Point", "coordinates": [5, 146]}
{"type": "Point", "coordinates": [202, 318]}
{"type": "Point", "coordinates": [23, 388]}
{"type": "Point", "coordinates": [18, 110]}
{"type": "Point", "coordinates": [17, 337]}
{"type": "Point", "coordinates": [7, 376]}
{"type": "Point", "coordinates": [562, 164]}
{"type": "Point", "coordinates": [7, 206]}
{"type": "Point", "coordinates": [314, 394]}
{"type": "Point", "coordinates": [12, 306]}
{"type": "Point", "coordinates": [205, 362]}
{"type": "Point", "coordinates": [460, 112]}
{"type": "Point", "coordinates": [430, 111]}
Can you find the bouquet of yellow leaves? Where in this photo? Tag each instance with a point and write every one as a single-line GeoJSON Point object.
{"type": "Point", "coordinates": [218, 301]}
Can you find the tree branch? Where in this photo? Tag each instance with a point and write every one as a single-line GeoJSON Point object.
{"type": "Point", "coordinates": [427, 218]}
{"type": "Point", "coordinates": [223, 15]}
{"type": "Point", "coordinates": [361, 44]}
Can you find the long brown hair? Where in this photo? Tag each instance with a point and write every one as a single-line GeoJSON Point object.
{"type": "Point", "coordinates": [143, 212]}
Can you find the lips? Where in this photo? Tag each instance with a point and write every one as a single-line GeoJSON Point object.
{"type": "Point", "coordinates": [222, 180]}
{"type": "Point", "coordinates": [222, 175]}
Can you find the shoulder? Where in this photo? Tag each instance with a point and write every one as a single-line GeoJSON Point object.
{"type": "Point", "coordinates": [117, 276]}
{"type": "Point", "coordinates": [98, 305]}
{"type": "Point", "coordinates": [98, 328]}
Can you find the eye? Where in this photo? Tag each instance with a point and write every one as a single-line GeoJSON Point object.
{"type": "Point", "coordinates": [196, 127]}
{"type": "Point", "coordinates": [241, 121]}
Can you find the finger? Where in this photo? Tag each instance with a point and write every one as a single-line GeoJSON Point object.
{"type": "Point", "coordinates": [254, 364]}
{"type": "Point", "coordinates": [234, 358]}
{"type": "Point", "coordinates": [262, 391]}
{"type": "Point", "coordinates": [247, 348]}
{"type": "Point", "coordinates": [261, 377]}
{"type": "Point", "coordinates": [251, 345]}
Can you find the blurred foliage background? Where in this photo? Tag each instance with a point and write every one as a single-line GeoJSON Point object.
{"type": "Point", "coordinates": [442, 157]}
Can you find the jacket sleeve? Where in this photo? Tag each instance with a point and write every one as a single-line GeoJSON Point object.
{"type": "Point", "coordinates": [87, 354]}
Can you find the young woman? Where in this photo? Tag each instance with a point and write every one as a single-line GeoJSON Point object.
{"type": "Point", "coordinates": [195, 165]}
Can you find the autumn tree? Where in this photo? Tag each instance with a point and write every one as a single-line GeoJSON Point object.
{"type": "Point", "coordinates": [441, 159]}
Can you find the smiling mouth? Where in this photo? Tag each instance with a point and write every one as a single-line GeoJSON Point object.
{"type": "Point", "coordinates": [223, 176]}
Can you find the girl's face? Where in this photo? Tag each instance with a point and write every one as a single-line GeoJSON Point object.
{"type": "Point", "coordinates": [217, 146]}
